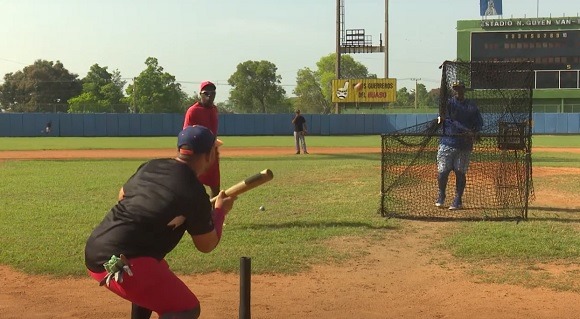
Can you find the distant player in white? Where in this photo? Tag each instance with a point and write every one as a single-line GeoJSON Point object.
{"type": "Point", "coordinates": [490, 11]}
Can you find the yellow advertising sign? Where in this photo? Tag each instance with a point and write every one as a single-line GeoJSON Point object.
{"type": "Point", "coordinates": [364, 90]}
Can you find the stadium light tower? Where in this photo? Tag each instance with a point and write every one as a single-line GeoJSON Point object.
{"type": "Point", "coordinates": [356, 41]}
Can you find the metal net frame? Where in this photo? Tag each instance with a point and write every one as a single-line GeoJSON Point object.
{"type": "Point", "coordinates": [499, 179]}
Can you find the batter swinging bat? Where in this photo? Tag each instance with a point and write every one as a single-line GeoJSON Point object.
{"type": "Point", "coordinates": [249, 183]}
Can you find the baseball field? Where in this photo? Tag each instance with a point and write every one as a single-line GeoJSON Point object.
{"type": "Point", "coordinates": [319, 249]}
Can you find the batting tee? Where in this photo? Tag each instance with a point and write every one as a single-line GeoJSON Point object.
{"type": "Point", "coordinates": [499, 178]}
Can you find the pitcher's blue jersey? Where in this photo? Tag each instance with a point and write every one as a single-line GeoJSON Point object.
{"type": "Point", "coordinates": [462, 117]}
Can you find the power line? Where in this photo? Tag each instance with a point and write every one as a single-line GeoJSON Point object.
{"type": "Point", "coordinates": [12, 61]}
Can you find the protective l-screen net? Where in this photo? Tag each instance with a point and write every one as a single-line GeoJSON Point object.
{"type": "Point", "coordinates": [499, 177]}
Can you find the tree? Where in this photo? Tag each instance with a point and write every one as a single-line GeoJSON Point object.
{"type": "Point", "coordinates": [423, 98]}
{"type": "Point", "coordinates": [314, 88]}
{"type": "Point", "coordinates": [404, 98]}
{"type": "Point", "coordinates": [225, 107]}
{"type": "Point", "coordinates": [44, 86]}
{"type": "Point", "coordinates": [256, 88]}
{"type": "Point", "coordinates": [187, 101]}
{"type": "Point", "coordinates": [434, 95]}
{"type": "Point", "coordinates": [310, 98]}
{"type": "Point", "coordinates": [155, 91]}
{"type": "Point", "coordinates": [102, 92]}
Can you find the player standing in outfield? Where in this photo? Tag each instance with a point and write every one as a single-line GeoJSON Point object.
{"type": "Point", "coordinates": [300, 131]}
{"type": "Point", "coordinates": [47, 128]}
{"type": "Point", "coordinates": [205, 113]}
{"type": "Point", "coordinates": [461, 125]}
{"type": "Point", "coordinates": [163, 199]}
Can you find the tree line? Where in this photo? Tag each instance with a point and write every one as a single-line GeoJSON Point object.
{"type": "Point", "coordinates": [47, 86]}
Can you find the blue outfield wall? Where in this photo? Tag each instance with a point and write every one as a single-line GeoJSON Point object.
{"type": "Point", "coordinates": [64, 124]}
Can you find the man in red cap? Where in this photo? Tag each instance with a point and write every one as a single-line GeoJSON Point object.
{"type": "Point", "coordinates": [205, 113]}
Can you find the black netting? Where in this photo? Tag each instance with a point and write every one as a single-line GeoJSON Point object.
{"type": "Point", "coordinates": [499, 179]}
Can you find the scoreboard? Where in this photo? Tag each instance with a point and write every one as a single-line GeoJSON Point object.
{"type": "Point", "coordinates": [550, 50]}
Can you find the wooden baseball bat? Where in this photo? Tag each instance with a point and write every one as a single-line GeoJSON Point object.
{"type": "Point", "coordinates": [248, 184]}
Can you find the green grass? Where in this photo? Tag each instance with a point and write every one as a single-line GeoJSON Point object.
{"type": "Point", "coordinates": [555, 159]}
{"type": "Point", "coordinates": [564, 184]}
{"type": "Point", "coordinates": [537, 241]}
{"type": "Point", "coordinates": [556, 141]}
{"type": "Point", "coordinates": [49, 214]}
{"type": "Point", "coordinates": [60, 143]}
{"type": "Point", "coordinates": [49, 208]}
{"type": "Point", "coordinates": [63, 143]}
{"type": "Point", "coordinates": [518, 253]}
{"type": "Point", "coordinates": [74, 143]}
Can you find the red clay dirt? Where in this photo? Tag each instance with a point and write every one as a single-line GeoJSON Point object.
{"type": "Point", "coordinates": [225, 151]}
{"type": "Point", "coordinates": [400, 277]}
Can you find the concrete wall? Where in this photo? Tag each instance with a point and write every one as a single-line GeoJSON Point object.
{"type": "Point", "coordinates": [63, 124]}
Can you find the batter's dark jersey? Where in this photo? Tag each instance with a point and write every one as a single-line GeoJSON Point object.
{"type": "Point", "coordinates": [160, 191]}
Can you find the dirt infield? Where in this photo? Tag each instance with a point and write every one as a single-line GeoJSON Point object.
{"type": "Point", "coordinates": [224, 151]}
{"type": "Point", "coordinates": [150, 153]}
{"type": "Point", "coordinates": [401, 277]}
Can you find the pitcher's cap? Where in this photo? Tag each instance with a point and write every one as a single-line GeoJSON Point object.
{"type": "Point", "coordinates": [197, 139]}
{"type": "Point", "coordinates": [207, 83]}
{"type": "Point", "coordinates": [458, 84]}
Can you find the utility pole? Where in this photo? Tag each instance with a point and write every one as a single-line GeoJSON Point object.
{"type": "Point", "coordinates": [134, 96]}
{"type": "Point", "coordinates": [416, 91]}
{"type": "Point", "coordinates": [338, 47]}
{"type": "Point", "coordinates": [386, 44]}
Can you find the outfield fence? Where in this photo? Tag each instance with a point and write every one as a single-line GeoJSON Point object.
{"type": "Point", "coordinates": [91, 125]}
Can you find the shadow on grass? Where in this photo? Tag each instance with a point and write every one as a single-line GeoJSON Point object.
{"type": "Point", "coordinates": [553, 217]}
{"type": "Point", "coordinates": [556, 209]}
{"type": "Point", "coordinates": [310, 157]}
{"type": "Point", "coordinates": [555, 214]}
{"type": "Point", "coordinates": [450, 219]}
{"type": "Point", "coordinates": [360, 156]}
{"type": "Point", "coordinates": [321, 224]}
{"type": "Point", "coordinates": [466, 214]}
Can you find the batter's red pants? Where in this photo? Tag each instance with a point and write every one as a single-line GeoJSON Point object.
{"type": "Point", "coordinates": [153, 286]}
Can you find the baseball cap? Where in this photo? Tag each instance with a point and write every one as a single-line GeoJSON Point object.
{"type": "Point", "coordinates": [206, 83]}
{"type": "Point", "coordinates": [198, 139]}
{"type": "Point", "coordinates": [458, 84]}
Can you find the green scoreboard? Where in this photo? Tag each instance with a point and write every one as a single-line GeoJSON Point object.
{"type": "Point", "coordinates": [550, 50]}
{"type": "Point", "coordinates": [552, 44]}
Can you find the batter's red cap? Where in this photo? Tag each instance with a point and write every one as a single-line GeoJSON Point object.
{"type": "Point", "coordinates": [197, 139]}
{"type": "Point", "coordinates": [206, 83]}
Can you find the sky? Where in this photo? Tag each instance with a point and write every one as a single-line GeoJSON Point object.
{"type": "Point", "coordinates": [205, 40]}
